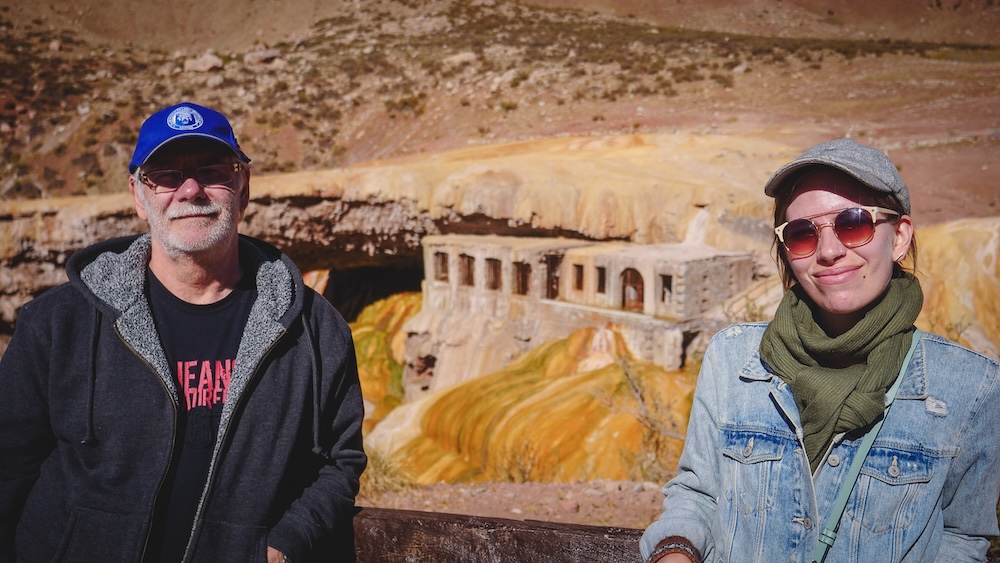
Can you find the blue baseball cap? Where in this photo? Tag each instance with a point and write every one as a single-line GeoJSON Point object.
{"type": "Point", "coordinates": [178, 121]}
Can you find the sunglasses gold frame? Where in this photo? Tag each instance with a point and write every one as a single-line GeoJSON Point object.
{"type": "Point", "coordinates": [872, 210]}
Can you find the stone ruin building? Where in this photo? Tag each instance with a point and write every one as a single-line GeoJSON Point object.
{"type": "Point", "coordinates": [488, 299]}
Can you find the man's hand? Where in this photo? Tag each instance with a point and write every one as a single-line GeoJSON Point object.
{"type": "Point", "coordinates": [274, 556]}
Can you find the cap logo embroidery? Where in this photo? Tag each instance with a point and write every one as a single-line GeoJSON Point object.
{"type": "Point", "coordinates": [185, 119]}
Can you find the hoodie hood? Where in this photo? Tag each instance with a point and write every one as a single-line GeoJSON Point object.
{"type": "Point", "coordinates": [112, 276]}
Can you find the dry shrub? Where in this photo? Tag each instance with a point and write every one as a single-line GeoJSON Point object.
{"type": "Point", "coordinates": [384, 475]}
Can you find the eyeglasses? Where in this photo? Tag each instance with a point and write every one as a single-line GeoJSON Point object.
{"type": "Point", "coordinates": [854, 226]}
{"type": "Point", "coordinates": [169, 179]}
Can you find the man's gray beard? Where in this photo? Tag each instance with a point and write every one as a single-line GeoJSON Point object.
{"type": "Point", "coordinates": [175, 245]}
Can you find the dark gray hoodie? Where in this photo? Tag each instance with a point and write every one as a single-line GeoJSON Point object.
{"type": "Point", "coordinates": [88, 408]}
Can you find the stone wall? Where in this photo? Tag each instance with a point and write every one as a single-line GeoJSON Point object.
{"type": "Point", "coordinates": [479, 312]}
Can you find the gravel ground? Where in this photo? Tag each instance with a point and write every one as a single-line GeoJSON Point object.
{"type": "Point", "coordinates": [624, 504]}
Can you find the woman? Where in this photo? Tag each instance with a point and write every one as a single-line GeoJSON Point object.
{"type": "Point", "coordinates": [781, 408]}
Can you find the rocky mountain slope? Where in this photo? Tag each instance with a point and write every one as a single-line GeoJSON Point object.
{"type": "Point", "coordinates": [316, 85]}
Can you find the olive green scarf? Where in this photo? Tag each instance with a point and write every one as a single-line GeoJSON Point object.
{"type": "Point", "coordinates": [835, 400]}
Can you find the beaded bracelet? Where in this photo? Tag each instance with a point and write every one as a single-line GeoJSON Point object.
{"type": "Point", "coordinates": [674, 544]}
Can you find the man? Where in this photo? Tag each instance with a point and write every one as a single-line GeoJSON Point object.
{"type": "Point", "coordinates": [184, 397]}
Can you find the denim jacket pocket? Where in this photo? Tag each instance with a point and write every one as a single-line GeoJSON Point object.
{"type": "Point", "coordinates": [747, 446]}
{"type": "Point", "coordinates": [898, 467]}
{"type": "Point", "coordinates": [756, 463]}
{"type": "Point", "coordinates": [756, 479]}
{"type": "Point", "coordinates": [895, 486]}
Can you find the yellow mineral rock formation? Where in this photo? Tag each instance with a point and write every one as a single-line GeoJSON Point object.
{"type": "Point", "coordinates": [574, 409]}
{"type": "Point", "coordinates": [959, 270]}
{"type": "Point", "coordinates": [378, 342]}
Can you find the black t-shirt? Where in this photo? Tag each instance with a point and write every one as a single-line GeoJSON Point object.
{"type": "Point", "coordinates": [200, 342]}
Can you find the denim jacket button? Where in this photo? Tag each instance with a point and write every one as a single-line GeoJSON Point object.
{"type": "Point", "coordinates": [893, 471]}
{"type": "Point", "coordinates": [833, 460]}
{"type": "Point", "coordinates": [807, 523]}
{"type": "Point", "coordinates": [747, 451]}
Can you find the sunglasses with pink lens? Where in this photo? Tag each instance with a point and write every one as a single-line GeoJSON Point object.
{"type": "Point", "coordinates": [854, 226]}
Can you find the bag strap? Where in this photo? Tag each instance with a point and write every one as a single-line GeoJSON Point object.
{"type": "Point", "coordinates": [829, 533]}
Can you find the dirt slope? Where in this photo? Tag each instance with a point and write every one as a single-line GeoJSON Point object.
{"type": "Point", "coordinates": [314, 85]}
{"type": "Point", "coordinates": [238, 25]}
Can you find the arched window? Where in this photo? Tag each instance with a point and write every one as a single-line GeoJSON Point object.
{"type": "Point", "coordinates": [632, 290]}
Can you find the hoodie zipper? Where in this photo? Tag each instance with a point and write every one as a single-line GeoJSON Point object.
{"type": "Point", "coordinates": [221, 438]}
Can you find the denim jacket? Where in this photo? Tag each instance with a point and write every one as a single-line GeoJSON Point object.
{"type": "Point", "coordinates": [927, 491]}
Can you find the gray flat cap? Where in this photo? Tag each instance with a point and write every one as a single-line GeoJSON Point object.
{"type": "Point", "coordinates": [866, 164]}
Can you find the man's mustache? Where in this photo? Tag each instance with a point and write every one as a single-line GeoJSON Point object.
{"type": "Point", "coordinates": [194, 210]}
